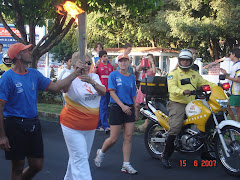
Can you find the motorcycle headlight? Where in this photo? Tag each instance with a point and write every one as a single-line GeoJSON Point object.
{"type": "Point", "coordinates": [222, 103]}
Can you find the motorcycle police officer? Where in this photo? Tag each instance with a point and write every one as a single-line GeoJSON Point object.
{"type": "Point", "coordinates": [179, 97]}
{"type": "Point", "coordinates": [6, 65]}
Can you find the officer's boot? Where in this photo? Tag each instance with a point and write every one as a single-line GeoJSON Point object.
{"type": "Point", "coordinates": [168, 150]}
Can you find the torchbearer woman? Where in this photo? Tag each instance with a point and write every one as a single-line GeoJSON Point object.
{"type": "Point", "coordinates": [79, 119]}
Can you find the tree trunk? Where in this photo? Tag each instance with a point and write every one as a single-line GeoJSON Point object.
{"type": "Point", "coordinates": [36, 56]}
{"type": "Point", "coordinates": [214, 49]}
{"type": "Point", "coordinates": [152, 42]}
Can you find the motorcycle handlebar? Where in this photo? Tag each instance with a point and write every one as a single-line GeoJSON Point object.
{"type": "Point", "coordinates": [196, 92]}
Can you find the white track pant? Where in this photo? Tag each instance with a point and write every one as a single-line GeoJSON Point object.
{"type": "Point", "coordinates": [79, 144]}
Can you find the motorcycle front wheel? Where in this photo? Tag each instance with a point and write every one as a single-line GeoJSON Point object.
{"type": "Point", "coordinates": [154, 139]}
{"type": "Point", "coordinates": [231, 137]}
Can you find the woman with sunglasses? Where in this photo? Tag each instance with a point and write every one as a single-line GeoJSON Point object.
{"type": "Point", "coordinates": [79, 119]}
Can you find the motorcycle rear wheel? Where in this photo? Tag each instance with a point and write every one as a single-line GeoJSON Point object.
{"type": "Point", "coordinates": [231, 137]}
{"type": "Point", "coordinates": [154, 131]}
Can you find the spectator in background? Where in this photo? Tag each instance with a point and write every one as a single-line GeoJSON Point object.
{"type": "Point", "coordinates": [98, 47]}
{"type": "Point", "coordinates": [234, 80]}
{"type": "Point", "coordinates": [194, 52]}
{"type": "Point", "coordinates": [6, 65]}
{"type": "Point", "coordinates": [52, 73]}
{"type": "Point", "coordinates": [195, 67]}
{"type": "Point", "coordinates": [140, 96]}
{"type": "Point", "coordinates": [127, 51]}
{"type": "Point", "coordinates": [139, 74]}
{"type": "Point", "coordinates": [1, 53]}
{"type": "Point", "coordinates": [103, 69]}
{"type": "Point", "coordinates": [110, 61]}
{"type": "Point", "coordinates": [67, 70]}
{"type": "Point", "coordinates": [60, 68]}
{"type": "Point", "coordinates": [79, 119]}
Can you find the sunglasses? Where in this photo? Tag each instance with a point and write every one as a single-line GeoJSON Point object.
{"type": "Point", "coordinates": [88, 62]}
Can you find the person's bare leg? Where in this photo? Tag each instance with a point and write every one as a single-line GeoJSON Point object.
{"type": "Point", "coordinates": [230, 112]}
{"type": "Point", "coordinates": [17, 169]}
{"type": "Point", "coordinates": [145, 123]}
{"type": "Point", "coordinates": [137, 109]}
{"type": "Point", "coordinates": [35, 165]}
{"type": "Point", "coordinates": [237, 108]}
{"type": "Point", "coordinates": [114, 135]}
{"type": "Point", "coordinates": [127, 143]}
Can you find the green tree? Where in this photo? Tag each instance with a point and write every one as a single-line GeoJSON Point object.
{"type": "Point", "coordinates": [36, 12]}
{"type": "Point", "coordinates": [210, 25]}
{"type": "Point", "coordinates": [66, 47]}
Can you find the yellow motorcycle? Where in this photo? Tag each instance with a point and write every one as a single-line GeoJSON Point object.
{"type": "Point", "coordinates": [206, 125]}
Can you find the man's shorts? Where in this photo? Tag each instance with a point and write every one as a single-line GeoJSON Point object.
{"type": "Point", "coordinates": [234, 100]}
{"type": "Point", "coordinates": [118, 117]}
{"type": "Point", "coordinates": [23, 142]}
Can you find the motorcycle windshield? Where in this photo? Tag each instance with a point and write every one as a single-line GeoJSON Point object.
{"type": "Point", "coordinates": [217, 93]}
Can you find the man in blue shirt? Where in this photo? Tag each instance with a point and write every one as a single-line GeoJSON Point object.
{"type": "Point", "coordinates": [20, 131]}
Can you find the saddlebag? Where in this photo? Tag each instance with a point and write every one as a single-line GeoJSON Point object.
{"type": "Point", "coordinates": [156, 86]}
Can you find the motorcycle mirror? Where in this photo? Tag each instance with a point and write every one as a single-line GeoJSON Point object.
{"type": "Point", "coordinates": [185, 81]}
{"type": "Point", "coordinates": [226, 86]}
{"type": "Point", "coordinates": [206, 88]}
{"type": "Point", "coordinates": [222, 77]}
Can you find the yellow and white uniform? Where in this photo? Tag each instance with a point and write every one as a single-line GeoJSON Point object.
{"type": "Point", "coordinates": [175, 88]}
{"type": "Point", "coordinates": [5, 68]}
{"type": "Point", "coordinates": [235, 73]}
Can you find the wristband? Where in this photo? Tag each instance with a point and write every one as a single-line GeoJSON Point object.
{"type": "Point", "coordinates": [75, 73]}
{"type": "Point", "coordinates": [94, 84]}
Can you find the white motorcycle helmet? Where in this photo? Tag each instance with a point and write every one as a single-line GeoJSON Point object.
{"type": "Point", "coordinates": [185, 54]}
{"type": "Point", "coordinates": [5, 56]}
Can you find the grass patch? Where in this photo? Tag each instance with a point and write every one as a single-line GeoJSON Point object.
{"type": "Point", "coordinates": [56, 109]}
{"type": "Point", "coordinates": [51, 108]}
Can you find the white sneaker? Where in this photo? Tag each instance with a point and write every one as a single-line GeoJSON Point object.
{"type": "Point", "coordinates": [99, 158]}
{"type": "Point", "coordinates": [128, 169]}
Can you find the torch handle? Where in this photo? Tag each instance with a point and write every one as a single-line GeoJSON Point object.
{"type": "Point", "coordinates": [82, 44]}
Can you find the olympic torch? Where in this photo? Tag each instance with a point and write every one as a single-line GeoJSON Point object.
{"type": "Point", "coordinates": [80, 16]}
{"type": "Point", "coordinates": [82, 35]}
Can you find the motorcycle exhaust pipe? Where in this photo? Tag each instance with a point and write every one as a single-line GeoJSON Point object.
{"type": "Point", "coordinates": [148, 114]}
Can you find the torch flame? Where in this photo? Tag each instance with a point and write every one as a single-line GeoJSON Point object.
{"type": "Point", "coordinates": [71, 8]}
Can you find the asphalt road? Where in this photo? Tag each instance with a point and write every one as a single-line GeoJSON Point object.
{"type": "Point", "coordinates": [56, 158]}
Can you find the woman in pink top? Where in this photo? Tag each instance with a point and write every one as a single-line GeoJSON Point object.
{"type": "Point", "coordinates": [140, 96]}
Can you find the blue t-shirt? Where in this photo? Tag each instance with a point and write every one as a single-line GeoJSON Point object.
{"type": "Point", "coordinates": [125, 87]}
{"type": "Point", "coordinates": [20, 92]}
{"type": "Point", "coordinates": [1, 56]}
{"type": "Point", "coordinates": [130, 69]}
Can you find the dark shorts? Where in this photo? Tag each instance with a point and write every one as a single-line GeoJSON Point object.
{"type": "Point", "coordinates": [25, 138]}
{"type": "Point", "coordinates": [118, 117]}
{"type": "Point", "coordinates": [234, 100]}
